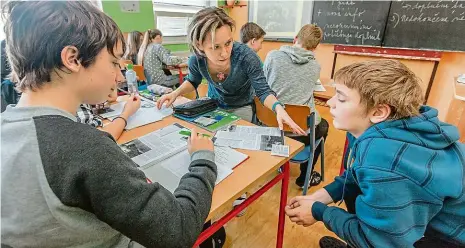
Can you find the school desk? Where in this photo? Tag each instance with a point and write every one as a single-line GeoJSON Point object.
{"type": "Point", "coordinates": [180, 69]}
{"type": "Point", "coordinates": [456, 111]}
{"type": "Point", "coordinates": [247, 176]}
{"type": "Point", "coordinates": [325, 95]}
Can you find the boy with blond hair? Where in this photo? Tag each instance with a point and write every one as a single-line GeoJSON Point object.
{"type": "Point", "coordinates": [293, 72]}
{"type": "Point", "coordinates": [252, 35]}
{"type": "Point", "coordinates": [406, 168]}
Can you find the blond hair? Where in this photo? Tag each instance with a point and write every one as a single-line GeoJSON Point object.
{"type": "Point", "coordinates": [206, 20]}
{"type": "Point", "coordinates": [384, 81]}
{"type": "Point", "coordinates": [309, 36]}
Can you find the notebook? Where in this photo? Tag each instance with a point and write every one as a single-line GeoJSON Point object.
{"type": "Point", "coordinates": [163, 156]}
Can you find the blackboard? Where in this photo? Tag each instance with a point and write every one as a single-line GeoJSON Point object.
{"type": "Point", "coordinates": [438, 25]}
{"type": "Point", "coordinates": [352, 22]}
{"type": "Point", "coordinates": [281, 20]}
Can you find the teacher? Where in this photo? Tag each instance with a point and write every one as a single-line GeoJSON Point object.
{"type": "Point", "coordinates": [232, 69]}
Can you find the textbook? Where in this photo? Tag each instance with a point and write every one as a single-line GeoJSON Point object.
{"type": "Point", "coordinates": [212, 121]}
{"type": "Point", "coordinates": [163, 157]}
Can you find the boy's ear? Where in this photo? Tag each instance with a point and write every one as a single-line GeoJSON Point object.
{"type": "Point", "coordinates": [380, 113]}
{"type": "Point", "coordinates": [69, 57]}
{"type": "Point", "coordinates": [252, 41]}
{"type": "Point", "coordinates": [295, 40]}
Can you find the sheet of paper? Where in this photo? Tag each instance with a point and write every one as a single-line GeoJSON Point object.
{"type": "Point", "coordinates": [461, 79]}
{"type": "Point", "coordinates": [179, 165]}
{"type": "Point", "coordinates": [147, 113]}
{"type": "Point", "coordinates": [319, 87]}
{"type": "Point", "coordinates": [250, 138]}
{"type": "Point", "coordinates": [229, 158]}
{"type": "Point", "coordinates": [280, 150]}
{"type": "Point", "coordinates": [117, 110]}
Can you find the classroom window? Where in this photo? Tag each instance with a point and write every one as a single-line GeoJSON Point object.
{"type": "Point", "coordinates": [173, 16]}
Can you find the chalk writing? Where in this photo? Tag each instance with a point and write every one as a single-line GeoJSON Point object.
{"type": "Point", "coordinates": [351, 22]}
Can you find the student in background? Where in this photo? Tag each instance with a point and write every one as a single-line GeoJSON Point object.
{"type": "Point", "coordinates": [9, 95]}
{"type": "Point", "coordinates": [252, 35]}
{"type": "Point", "coordinates": [152, 55]}
{"type": "Point", "coordinates": [405, 176]}
{"type": "Point", "coordinates": [71, 180]}
{"type": "Point", "coordinates": [292, 72]}
{"type": "Point", "coordinates": [133, 43]}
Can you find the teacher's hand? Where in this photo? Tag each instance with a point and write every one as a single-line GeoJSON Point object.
{"type": "Point", "coordinates": [282, 117]}
{"type": "Point", "coordinates": [168, 98]}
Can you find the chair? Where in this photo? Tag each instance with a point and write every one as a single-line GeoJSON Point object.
{"type": "Point", "coordinates": [123, 63]}
{"type": "Point", "coordinates": [139, 72]}
{"type": "Point", "coordinates": [305, 119]}
{"type": "Point", "coordinates": [201, 91]}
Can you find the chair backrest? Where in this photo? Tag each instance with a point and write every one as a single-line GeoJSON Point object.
{"type": "Point", "coordinates": [299, 113]}
{"type": "Point", "coordinates": [202, 91]}
{"type": "Point", "coordinates": [123, 63]}
{"type": "Point", "coordinates": [139, 72]}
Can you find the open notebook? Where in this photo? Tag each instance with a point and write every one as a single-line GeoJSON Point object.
{"type": "Point", "coordinates": [146, 114]}
{"type": "Point", "coordinates": [164, 158]}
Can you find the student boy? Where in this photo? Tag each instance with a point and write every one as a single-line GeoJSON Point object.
{"type": "Point", "coordinates": [293, 72]}
{"type": "Point", "coordinates": [252, 35]}
{"type": "Point", "coordinates": [68, 184]}
{"type": "Point", "coordinates": [406, 168]}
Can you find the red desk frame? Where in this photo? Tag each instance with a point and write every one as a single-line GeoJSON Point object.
{"type": "Point", "coordinates": [284, 178]}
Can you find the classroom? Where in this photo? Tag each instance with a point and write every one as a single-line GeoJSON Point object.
{"type": "Point", "coordinates": [232, 123]}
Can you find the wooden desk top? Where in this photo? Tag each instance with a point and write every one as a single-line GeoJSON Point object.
{"type": "Point", "coordinates": [330, 90]}
{"type": "Point", "coordinates": [256, 168]}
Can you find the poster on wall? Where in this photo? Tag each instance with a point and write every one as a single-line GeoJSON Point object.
{"type": "Point", "coordinates": [130, 6]}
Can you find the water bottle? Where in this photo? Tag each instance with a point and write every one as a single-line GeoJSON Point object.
{"type": "Point", "coordinates": [131, 80]}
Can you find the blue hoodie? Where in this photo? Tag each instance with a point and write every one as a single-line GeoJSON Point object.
{"type": "Point", "coordinates": [411, 176]}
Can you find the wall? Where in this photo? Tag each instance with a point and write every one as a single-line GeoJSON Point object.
{"type": "Point", "coordinates": [128, 22]}
{"type": "Point", "coordinates": [141, 21]}
{"type": "Point", "coordinates": [441, 94]}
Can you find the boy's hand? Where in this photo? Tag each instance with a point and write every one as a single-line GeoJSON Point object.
{"type": "Point", "coordinates": [198, 143]}
{"type": "Point", "coordinates": [299, 210]}
{"type": "Point", "coordinates": [132, 105]}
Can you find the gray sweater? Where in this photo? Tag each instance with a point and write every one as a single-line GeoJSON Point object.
{"type": "Point", "coordinates": [67, 184]}
{"type": "Point", "coordinates": [292, 73]}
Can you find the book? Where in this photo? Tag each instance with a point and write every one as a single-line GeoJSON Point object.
{"type": "Point", "coordinates": [163, 156]}
{"type": "Point", "coordinates": [213, 120]}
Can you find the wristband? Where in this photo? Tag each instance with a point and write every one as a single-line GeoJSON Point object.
{"type": "Point", "coordinates": [276, 104]}
{"type": "Point", "coordinates": [122, 118]}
